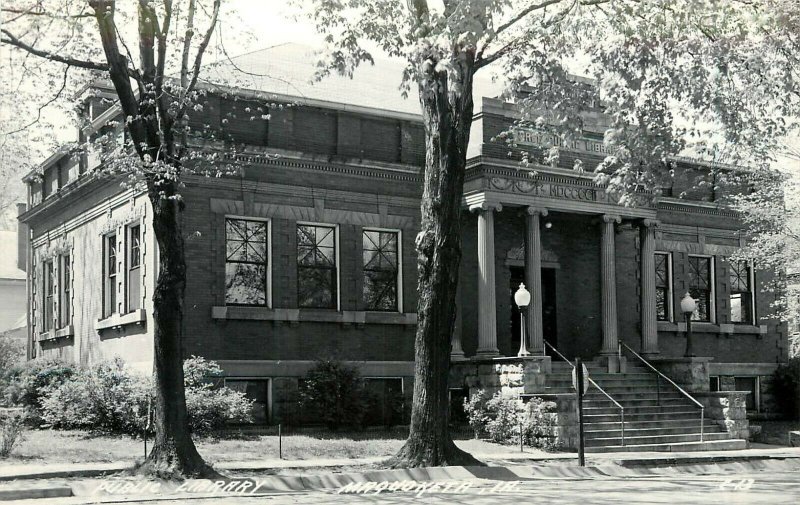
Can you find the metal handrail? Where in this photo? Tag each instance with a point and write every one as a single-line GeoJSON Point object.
{"type": "Point", "coordinates": [620, 407]}
{"type": "Point", "coordinates": [687, 395]}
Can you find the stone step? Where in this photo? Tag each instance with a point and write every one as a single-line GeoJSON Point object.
{"type": "Point", "coordinates": [620, 389]}
{"type": "Point", "coordinates": [591, 432]}
{"type": "Point", "coordinates": [613, 416]}
{"type": "Point", "coordinates": [655, 439]}
{"type": "Point", "coordinates": [635, 424]}
{"type": "Point", "coordinates": [712, 445]}
{"type": "Point", "coordinates": [610, 408]}
{"type": "Point", "coordinates": [641, 402]}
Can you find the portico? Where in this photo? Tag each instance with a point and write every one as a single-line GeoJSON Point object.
{"type": "Point", "coordinates": [532, 200]}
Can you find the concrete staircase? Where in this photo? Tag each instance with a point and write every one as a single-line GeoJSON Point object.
{"type": "Point", "coordinates": [656, 418]}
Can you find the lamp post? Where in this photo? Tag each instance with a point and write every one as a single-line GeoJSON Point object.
{"type": "Point", "coordinates": [522, 298]}
{"type": "Point", "coordinates": [688, 306]}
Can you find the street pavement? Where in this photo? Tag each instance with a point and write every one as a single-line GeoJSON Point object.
{"type": "Point", "coordinates": [767, 487]}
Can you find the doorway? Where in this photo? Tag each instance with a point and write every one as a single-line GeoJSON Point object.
{"type": "Point", "coordinates": [549, 313]}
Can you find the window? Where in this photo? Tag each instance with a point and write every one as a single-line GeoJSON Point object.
{"type": "Point", "coordinates": [258, 390]}
{"type": "Point", "coordinates": [48, 291]}
{"type": "Point", "coordinates": [741, 298]}
{"type": "Point", "coordinates": [749, 384]}
{"type": "Point", "coordinates": [701, 287]}
{"type": "Point", "coordinates": [381, 270]}
{"type": "Point", "coordinates": [65, 300]}
{"type": "Point", "coordinates": [713, 383]}
{"type": "Point", "coordinates": [110, 281]}
{"type": "Point", "coordinates": [246, 262]}
{"type": "Point", "coordinates": [134, 267]}
{"type": "Point", "coordinates": [663, 286]}
{"type": "Point", "coordinates": [386, 401]}
{"type": "Point", "coordinates": [316, 267]}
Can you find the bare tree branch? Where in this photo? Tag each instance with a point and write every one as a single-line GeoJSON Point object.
{"type": "Point", "coordinates": [41, 107]}
{"type": "Point", "coordinates": [187, 44]}
{"type": "Point", "coordinates": [11, 40]}
{"type": "Point", "coordinates": [198, 60]}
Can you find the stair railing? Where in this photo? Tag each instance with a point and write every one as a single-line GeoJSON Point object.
{"type": "Point", "coordinates": [659, 374]}
{"type": "Point", "coordinates": [592, 382]}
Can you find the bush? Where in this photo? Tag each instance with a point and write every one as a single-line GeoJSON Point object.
{"type": "Point", "coordinates": [501, 417]}
{"type": "Point", "coordinates": [28, 382]}
{"type": "Point", "coordinates": [11, 433]}
{"type": "Point", "coordinates": [111, 398]}
{"type": "Point", "coordinates": [333, 393]}
{"type": "Point", "coordinates": [210, 409]}
{"type": "Point", "coordinates": [108, 398]}
{"type": "Point", "coordinates": [786, 388]}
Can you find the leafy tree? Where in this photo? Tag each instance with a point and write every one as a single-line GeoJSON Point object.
{"type": "Point", "coordinates": [153, 52]}
{"type": "Point", "coordinates": [650, 57]}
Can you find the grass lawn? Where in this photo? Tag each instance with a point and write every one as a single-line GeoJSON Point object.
{"type": "Point", "coordinates": [53, 447]}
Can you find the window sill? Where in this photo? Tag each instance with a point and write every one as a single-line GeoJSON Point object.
{"type": "Point", "coordinates": [294, 316]}
{"type": "Point", "coordinates": [722, 329]}
{"type": "Point", "coordinates": [138, 316]}
{"type": "Point", "coordinates": [65, 332]}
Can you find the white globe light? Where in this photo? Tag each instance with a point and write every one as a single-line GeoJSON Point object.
{"type": "Point", "coordinates": [688, 304]}
{"type": "Point", "coordinates": [522, 297]}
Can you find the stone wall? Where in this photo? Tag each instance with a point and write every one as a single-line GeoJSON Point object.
{"type": "Point", "coordinates": [728, 409]}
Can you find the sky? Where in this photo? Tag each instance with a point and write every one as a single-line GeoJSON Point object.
{"type": "Point", "coordinates": [271, 22]}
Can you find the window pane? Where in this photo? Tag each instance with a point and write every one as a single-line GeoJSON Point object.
{"type": "Point", "coordinates": [246, 262]}
{"type": "Point", "coordinates": [747, 384]}
{"type": "Point", "coordinates": [703, 299]}
{"type": "Point", "coordinates": [245, 284]}
{"type": "Point", "coordinates": [134, 247]}
{"type": "Point", "coordinates": [316, 266]}
{"type": "Point", "coordinates": [661, 304]}
{"type": "Point", "coordinates": [380, 270]}
{"type": "Point", "coordinates": [662, 266]}
{"type": "Point", "coordinates": [316, 288]}
{"type": "Point", "coordinates": [134, 289]}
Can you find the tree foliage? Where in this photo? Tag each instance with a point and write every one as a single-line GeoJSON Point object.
{"type": "Point", "coordinates": [668, 72]}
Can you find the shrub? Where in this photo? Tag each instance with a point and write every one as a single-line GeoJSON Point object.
{"type": "Point", "coordinates": [108, 398]}
{"type": "Point", "coordinates": [334, 394]}
{"type": "Point", "coordinates": [501, 417]}
{"type": "Point", "coordinates": [29, 381]}
{"type": "Point", "coordinates": [11, 433]}
{"type": "Point", "coordinates": [539, 423]}
{"type": "Point", "coordinates": [785, 387]}
{"type": "Point", "coordinates": [210, 409]}
{"type": "Point", "coordinates": [111, 398]}
{"type": "Point", "coordinates": [12, 353]}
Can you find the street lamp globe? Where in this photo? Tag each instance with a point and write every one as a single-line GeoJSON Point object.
{"type": "Point", "coordinates": [688, 304]}
{"type": "Point", "coordinates": [522, 297]}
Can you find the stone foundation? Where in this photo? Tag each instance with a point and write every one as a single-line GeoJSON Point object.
{"type": "Point", "coordinates": [689, 373]}
{"type": "Point", "coordinates": [728, 409]}
{"type": "Point", "coordinates": [509, 375]}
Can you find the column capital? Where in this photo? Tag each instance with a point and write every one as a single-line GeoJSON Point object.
{"type": "Point", "coordinates": [651, 223]}
{"type": "Point", "coordinates": [536, 210]}
{"type": "Point", "coordinates": [495, 206]}
{"type": "Point", "coordinates": [609, 218]}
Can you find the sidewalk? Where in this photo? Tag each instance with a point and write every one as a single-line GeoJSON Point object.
{"type": "Point", "coordinates": [626, 459]}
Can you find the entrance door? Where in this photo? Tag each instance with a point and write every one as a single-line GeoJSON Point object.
{"type": "Point", "coordinates": [549, 312]}
{"type": "Point", "coordinates": [548, 306]}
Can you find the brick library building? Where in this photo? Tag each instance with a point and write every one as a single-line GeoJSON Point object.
{"type": "Point", "coordinates": [307, 252]}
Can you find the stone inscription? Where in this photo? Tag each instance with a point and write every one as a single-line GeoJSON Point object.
{"type": "Point", "coordinates": [543, 139]}
{"type": "Point", "coordinates": [536, 188]}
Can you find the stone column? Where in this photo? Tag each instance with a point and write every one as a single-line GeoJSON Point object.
{"type": "Point", "coordinates": [648, 274]}
{"type": "Point", "coordinates": [487, 304]}
{"type": "Point", "coordinates": [609, 286]}
{"type": "Point", "coordinates": [456, 352]}
{"type": "Point", "coordinates": [533, 278]}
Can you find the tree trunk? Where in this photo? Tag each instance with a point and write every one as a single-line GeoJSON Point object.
{"type": "Point", "coordinates": [173, 453]}
{"type": "Point", "coordinates": [446, 100]}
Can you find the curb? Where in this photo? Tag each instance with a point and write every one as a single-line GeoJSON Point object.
{"type": "Point", "coordinates": [35, 493]}
{"type": "Point", "coordinates": [698, 460]}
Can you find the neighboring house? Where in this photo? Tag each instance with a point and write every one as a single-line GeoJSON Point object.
{"type": "Point", "coordinates": [310, 253]}
{"type": "Point", "coordinates": [13, 306]}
